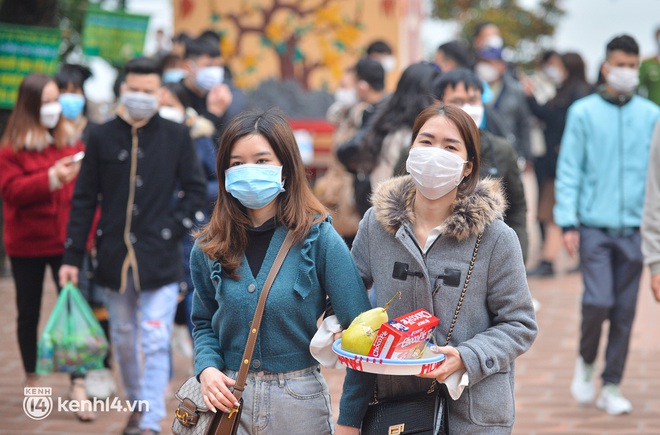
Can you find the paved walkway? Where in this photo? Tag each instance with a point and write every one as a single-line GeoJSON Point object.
{"type": "Point", "coordinates": [544, 405]}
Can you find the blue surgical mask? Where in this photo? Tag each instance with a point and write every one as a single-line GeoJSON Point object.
{"type": "Point", "coordinates": [254, 186]}
{"type": "Point", "coordinates": [208, 77]}
{"type": "Point", "coordinates": [174, 75]}
{"type": "Point", "coordinates": [72, 105]}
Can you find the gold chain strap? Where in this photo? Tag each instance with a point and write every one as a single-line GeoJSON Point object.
{"type": "Point", "coordinates": [465, 287]}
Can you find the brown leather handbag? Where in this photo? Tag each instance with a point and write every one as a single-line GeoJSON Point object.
{"type": "Point", "coordinates": [192, 416]}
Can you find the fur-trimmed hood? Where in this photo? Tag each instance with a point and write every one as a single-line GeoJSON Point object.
{"type": "Point", "coordinates": [393, 205]}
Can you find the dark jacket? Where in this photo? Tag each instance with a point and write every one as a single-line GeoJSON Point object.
{"type": "Point", "coordinates": [132, 172]}
{"type": "Point", "coordinates": [198, 102]}
{"type": "Point", "coordinates": [499, 159]}
{"type": "Point", "coordinates": [553, 116]}
{"type": "Point", "coordinates": [511, 106]}
{"type": "Point", "coordinates": [494, 123]}
{"type": "Point", "coordinates": [349, 154]}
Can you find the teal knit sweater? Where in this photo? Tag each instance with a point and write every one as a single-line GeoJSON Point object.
{"type": "Point", "coordinates": [223, 308]}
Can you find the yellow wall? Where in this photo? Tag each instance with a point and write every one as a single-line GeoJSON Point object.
{"type": "Point", "coordinates": [323, 37]}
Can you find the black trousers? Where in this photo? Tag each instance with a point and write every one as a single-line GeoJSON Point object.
{"type": "Point", "coordinates": [29, 280]}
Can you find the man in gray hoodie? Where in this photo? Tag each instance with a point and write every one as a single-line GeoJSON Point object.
{"type": "Point", "coordinates": [651, 216]}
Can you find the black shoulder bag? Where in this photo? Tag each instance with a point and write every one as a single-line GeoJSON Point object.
{"type": "Point", "coordinates": [420, 413]}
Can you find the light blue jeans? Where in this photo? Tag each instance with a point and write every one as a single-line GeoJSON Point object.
{"type": "Point", "coordinates": [289, 403]}
{"type": "Point", "coordinates": [141, 324]}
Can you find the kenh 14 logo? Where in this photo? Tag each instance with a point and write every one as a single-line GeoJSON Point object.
{"type": "Point", "coordinates": [37, 403]}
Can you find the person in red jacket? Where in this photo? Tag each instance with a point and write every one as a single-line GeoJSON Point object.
{"type": "Point", "coordinates": [37, 174]}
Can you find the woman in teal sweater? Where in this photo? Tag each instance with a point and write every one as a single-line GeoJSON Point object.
{"type": "Point", "coordinates": [263, 193]}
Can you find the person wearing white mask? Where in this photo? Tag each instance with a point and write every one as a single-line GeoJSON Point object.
{"type": "Point", "coordinates": [173, 104]}
{"type": "Point", "coordinates": [382, 52]}
{"type": "Point", "coordinates": [147, 173]}
{"type": "Point", "coordinates": [434, 221]}
{"type": "Point", "coordinates": [486, 34]}
{"type": "Point", "coordinates": [37, 178]}
{"type": "Point", "coordinates": [210, 93]}
{"type": "Point", "coordinates": [508, 99]}
{"type": "Point", "coordinates": [462, 88]}
{"type": "Point", "coordinates": [570, 68]}
{"type": "Point", "coordinates": [599, 192]}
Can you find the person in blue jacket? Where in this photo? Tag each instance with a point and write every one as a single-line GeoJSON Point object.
{"type": "Point", "coordinates": [263, 193]}
{"type": "Point", "coordinates": [599, 190]}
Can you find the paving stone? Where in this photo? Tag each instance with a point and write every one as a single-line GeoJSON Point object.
{"type": "Point", "coordinates": [543, 402]}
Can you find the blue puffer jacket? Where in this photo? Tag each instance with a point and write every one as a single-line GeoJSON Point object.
{"type": "Point", "coordinates": [603, 159]}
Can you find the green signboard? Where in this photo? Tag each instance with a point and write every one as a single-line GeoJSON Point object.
{"type": "Point", "coordinates": [23, 50]}
{"type": "Point", "coordinates": [114, 36]}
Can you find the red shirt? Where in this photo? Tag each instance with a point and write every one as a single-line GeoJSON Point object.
{"type": "Point", "coordinates": [35, 218]}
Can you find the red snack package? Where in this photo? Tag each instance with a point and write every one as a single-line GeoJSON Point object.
{"type": "Point", "coordinates": [398, 338]}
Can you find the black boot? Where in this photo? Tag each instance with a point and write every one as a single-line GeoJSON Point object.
{"type": "Point", "coordinates": [544, 269]}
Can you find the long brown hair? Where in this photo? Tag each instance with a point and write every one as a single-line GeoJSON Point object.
{"type": "Point", "coordinates": [469, 133]}
{"type": "Point", "coordinates": [224, 238]}
{"type": "Point", "coordinates": [25, 118]}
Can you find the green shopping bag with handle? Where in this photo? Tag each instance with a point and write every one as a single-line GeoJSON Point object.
{"type": "Point", "coordinates": [73, 339]}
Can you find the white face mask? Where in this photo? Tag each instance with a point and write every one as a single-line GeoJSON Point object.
{"type": "Point", "coordinates": [476, 113]}
{"type": "Point", "coordinates": [347, 97]}
{"type": "Point", "coordinates": [139, 105]}
{"type": "Point", "coordinates": [49, 114]}
{"type": "Point", "coordinates": [554, 74]}
{"type": "Point", "coordinates": [388, 62]}
{"type": "Point", "coordinates": [493, 41]}
{"type": "Point", "coordinates": [486, 72]}
{"type": "Point", "coordinates": [435, 171]}
{"type": "Point", "coordinates": [623, 79]}
{"type": "Point", "coordinates": [173, 114]}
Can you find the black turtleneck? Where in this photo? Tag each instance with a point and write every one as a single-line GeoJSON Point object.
{"type": "Point", "coordinates": [258, 242]}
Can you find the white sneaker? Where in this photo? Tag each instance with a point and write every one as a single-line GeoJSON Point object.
{"type": "Point", "coordinates": [612, 401]}
{"type": "Point", "coordinates": [536, 304]}
{"type": "Point", "coordinates": [583, 387]}
{"type": "Point", "coordinates": [100, 384]}
{"type": "Point", "coordinates": [181, 341]}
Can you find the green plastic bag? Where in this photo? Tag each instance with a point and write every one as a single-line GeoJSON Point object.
{"type": "Point", "coordinates": [73, 339]}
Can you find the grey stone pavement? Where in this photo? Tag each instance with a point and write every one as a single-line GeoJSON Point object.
{"type": "Point", "coordinates": [543, 402]}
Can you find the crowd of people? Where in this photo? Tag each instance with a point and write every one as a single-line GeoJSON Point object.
{"type": "Point", "coordinates": [182, 200]}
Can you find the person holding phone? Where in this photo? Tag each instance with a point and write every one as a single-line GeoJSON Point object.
{"type": "Point", "coordinates": [37, 177]}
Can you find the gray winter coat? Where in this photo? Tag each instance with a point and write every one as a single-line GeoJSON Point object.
{"type": "Point", "coordinates": [496, 323]}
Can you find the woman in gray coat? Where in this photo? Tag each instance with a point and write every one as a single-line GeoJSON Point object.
{"type": "Point", "coordinates": [430, 221]}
